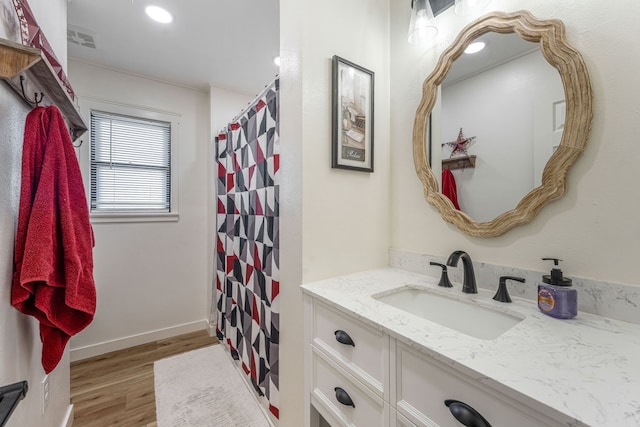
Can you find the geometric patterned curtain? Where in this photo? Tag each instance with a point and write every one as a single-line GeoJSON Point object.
{"type": "Point", "coordinates": [247, 246]}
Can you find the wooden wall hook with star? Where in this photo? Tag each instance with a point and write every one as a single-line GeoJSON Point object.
{"type": "Point", "coordinates": [460, 145]}
{"type": "Point", "coordinates": [461, 162]}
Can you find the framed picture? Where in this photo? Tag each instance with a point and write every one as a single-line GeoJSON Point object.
{"type": "Point", "coordinates": [352, 123]}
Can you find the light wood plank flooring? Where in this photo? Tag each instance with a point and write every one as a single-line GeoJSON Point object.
{"type": "Point", "coordinates": [116, 389]}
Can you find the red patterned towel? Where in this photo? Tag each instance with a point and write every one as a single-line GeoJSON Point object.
{"type": "Point", "coordinates": [53, 265]}
{"type": "Point", "coordinates": [449, 187]}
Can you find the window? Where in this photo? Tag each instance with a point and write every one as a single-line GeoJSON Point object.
{"type": "Point", "coordinates": [130, 164]}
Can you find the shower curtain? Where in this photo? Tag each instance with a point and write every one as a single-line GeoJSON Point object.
{"type": "Point", "coordinates": [247, 272]}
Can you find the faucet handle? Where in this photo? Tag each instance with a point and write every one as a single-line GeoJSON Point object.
{"type": "Point", "coordinates": [502, 294]}
{"type": "Point", "coordinates": [444, 278]}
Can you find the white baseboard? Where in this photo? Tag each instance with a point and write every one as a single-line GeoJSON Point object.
{"type": "Point", "coordinates": [133, 340]}
{"type": "Point", "coordinates": [211, 329]}
{"type": "Point", "coordinates": [68, 417]}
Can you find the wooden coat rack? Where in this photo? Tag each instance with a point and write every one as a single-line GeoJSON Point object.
{"type": "Point", "coordinates": [459, 162]}
{"type": "Point", "coordinates": [20, 61]}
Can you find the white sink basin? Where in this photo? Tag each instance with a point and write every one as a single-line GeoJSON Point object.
{"type": "Point", "coordinates": [462, 315]}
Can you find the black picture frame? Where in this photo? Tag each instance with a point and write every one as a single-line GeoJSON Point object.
{"type": "Point", "coordinates": [352, 116]}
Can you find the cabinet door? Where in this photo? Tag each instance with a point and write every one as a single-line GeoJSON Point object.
{"type": "Point", "coordinates": [359, 349]}
{"type": "Point", "coordinates": [342, 400]}
{"type": "Point", "coordinates": [423, 386]}
{"type": "Point", "coordinates": [398, 420]}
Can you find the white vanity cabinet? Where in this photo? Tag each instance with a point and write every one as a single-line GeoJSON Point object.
{"type": "Point", "coordinates": [347, 368]}
{"type": "Point", "coordinates": [367, 358]}
{"type": "Point", "coordinates": [338, 395]}
{"type": "Point", "coordinates": [398, 420]}
{"type": "Point", "coordinates": [402, 367]}
{"type": "Point", "coordinates": [371, 380]}
{"type": "Point", "coordinates": [423, 385]}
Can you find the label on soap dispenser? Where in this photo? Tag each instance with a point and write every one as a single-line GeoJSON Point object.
{"type": "Point", "coordinates": [546, 301]}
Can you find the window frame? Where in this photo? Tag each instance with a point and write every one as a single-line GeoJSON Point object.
{"type": "Point", "coordinates": [87, 105]}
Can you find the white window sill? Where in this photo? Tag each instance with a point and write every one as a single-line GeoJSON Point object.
{"type": "Point", "coordinates": [107, 217]}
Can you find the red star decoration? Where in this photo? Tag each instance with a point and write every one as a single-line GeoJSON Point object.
{"type": "Point", "coordinates": [460, 145]}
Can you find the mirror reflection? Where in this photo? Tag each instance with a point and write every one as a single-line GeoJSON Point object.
{"type": "Point", "coordinates": [576, 114]}
{"type": "Point", "coordinates": [504, 107]}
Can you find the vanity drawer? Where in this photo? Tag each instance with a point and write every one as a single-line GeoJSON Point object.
{"type": "Point", "coordinates": [328, 381]}
{"type": "Point", "coordinates": [400, 420]}
{"type": "Point", "coordinates": [423, 385]}
{"type": "Point", "coordinates": [367, 359]}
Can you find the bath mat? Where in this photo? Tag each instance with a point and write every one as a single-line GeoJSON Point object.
{"type": "Point", "coordinates": [202, 388]}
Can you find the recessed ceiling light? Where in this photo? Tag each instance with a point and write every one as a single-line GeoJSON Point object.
{"type": "Point", "coordinates": [474, 47]}
{"type": "Point", "coordinates": [276, 61]}
{"type": "Point", "coordinates": [159, 14]}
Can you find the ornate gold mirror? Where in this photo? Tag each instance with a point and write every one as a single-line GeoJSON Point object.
{"type": "Point", "coordinates": [568, 119]}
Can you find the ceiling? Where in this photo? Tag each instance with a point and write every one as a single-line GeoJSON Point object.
{"type": "Point", "coordinates": [229, 44]}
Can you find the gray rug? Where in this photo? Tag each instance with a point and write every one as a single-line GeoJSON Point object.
{"type": "Point", "coordinates": [202, 388]}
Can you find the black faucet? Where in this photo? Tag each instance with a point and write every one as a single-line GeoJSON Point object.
{"type": "Point", "coordinates": [469, 283]}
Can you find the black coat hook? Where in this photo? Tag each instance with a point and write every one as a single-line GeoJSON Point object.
{"type": "Point", "coordinates": [35, 101]}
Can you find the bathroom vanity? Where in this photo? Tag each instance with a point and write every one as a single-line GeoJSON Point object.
{"type": "Point", "coordinates": [373, 358]}
{"type": "Point", "coordinates": [391, 348]}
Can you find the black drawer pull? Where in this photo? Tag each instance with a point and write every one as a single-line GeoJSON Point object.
{"type": "Point", "coordinates": [466, 414]}
{"type": "Point", "coordinates": [343, 397]}
{"type": "Point", "coordinates": [343, 338]}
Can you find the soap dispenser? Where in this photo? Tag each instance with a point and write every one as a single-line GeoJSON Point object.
{"type": "Point", "coordinates": [556, 297]}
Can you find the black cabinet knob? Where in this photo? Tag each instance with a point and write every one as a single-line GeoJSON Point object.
{"type": "Point", "coordinates": [343, 397]}
{"type": "Point", "coordinates": [343, 338]}
{"type": "Point", "coordinates": [466, 414]}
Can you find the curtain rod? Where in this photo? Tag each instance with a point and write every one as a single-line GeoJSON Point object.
{"type": "Point", "coordinates": [251, 103]}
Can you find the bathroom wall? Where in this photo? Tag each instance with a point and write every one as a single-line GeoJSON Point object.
{"type": "Point", "coordinates": [226, 105]}
{"type": "Point", "coordinates": [333, 221]}
{"type": "Point", "coordinates": [150, 276]}
{"type": "Point", "coordinates": [595, 222]}
{"type": "Point", "coordinates": [20, 347]}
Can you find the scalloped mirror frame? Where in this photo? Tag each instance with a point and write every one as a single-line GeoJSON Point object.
{"type": "Point", "coordinates": [579, 113]}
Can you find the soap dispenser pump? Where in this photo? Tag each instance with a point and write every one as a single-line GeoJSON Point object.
{"type": "Point", "coordinates": [556, 297]}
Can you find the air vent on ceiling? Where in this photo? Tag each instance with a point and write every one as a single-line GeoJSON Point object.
{"type": "Point", "coordinates": [81, 36]}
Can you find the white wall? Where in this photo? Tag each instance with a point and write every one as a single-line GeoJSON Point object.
{"type": "Point", "coordinates": [20, 346]}
{"type": "Point", "coordinates": [497, 106]}
{"type": "Point", "coordinates": [226, 105]}
{"type": "Point", "coordinates": [150, 277]}
{"type": "Point", "coordinates": [332, 221]}
{"type": "Point", "coordinates": [594, 224]}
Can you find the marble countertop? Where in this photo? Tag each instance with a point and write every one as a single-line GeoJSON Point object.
{"type": "Point", "coordinates": [586, 369]}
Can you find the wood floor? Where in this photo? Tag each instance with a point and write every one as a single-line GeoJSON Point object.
{"type": "Point", "coordinates": [116, 389]}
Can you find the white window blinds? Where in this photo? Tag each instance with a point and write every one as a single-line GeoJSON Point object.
{"type": "Point", "coordinates": [130, 164]}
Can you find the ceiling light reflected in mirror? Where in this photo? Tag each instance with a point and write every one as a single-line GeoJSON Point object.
{"type": "Point", "coordinates": [474, 48]}
{"type": "Point", "coordinates": [159, 14]}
